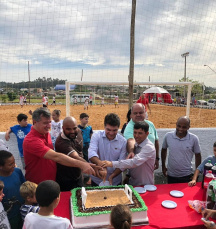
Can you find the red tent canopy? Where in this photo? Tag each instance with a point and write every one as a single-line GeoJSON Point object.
{"type": "Point", "coordinates": [166, 97]}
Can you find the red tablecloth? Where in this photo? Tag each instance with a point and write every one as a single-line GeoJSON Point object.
{"type": "Point", "coordinates": [159, 217]}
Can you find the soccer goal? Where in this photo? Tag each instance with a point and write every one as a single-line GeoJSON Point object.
{"type": "Point", "coordinates": [188, 84]}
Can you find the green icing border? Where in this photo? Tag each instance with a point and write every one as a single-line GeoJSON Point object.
{"type": "Point", "coordinates": [79, 214]}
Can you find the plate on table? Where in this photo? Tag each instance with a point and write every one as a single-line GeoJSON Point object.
{"type": "Point", "coordinates": [176, 193]}
{"type": "Point", "coordinates": [106, 183]}
{"type": "Point", "coordinates": [150, 187]}
{"type": "Point", "coordinates": [169, 204]}
{"type": "Point", "coordinates": [140, 190]}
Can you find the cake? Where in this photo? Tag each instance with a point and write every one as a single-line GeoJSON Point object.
{"type": "Point", "coordinates": [91, 206]}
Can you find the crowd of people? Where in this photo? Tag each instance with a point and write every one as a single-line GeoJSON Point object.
{"type": "Point", "coordinates": [72, 155]}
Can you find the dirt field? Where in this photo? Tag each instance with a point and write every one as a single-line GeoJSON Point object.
{"type": "Point", "coordinates": [162, 116]}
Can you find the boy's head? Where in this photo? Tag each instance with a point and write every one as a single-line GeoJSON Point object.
{"type": "Point", "coordinates": [22, 120]}
{"type": "Point", "coordinates": [7, 162]}
{"type": "Point", "coordinates": [47, 192]}
{"type": "Point", "coordinates": [84, 118]}
{"type": "Point", "coordinates": [27, 191]}
{"type": "Point", "coordinates": [1, 190]}
{"type": "Point", "coordinates": [141, 131]}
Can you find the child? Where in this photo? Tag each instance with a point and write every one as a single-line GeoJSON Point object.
{"type": "Point", "coordinates": [121, 217]}
{"type": "Point", "coordinates": [56, 125]}
{"type": "Point", "coordinates": [24, 100]}
{"type": "Point", "coordinates": [44, 102]}
{"type": "Point", "coordinates": [54, 102]}
{"type": "Point", "coordinates": [75, 101]}
{"type": "Point", "coordinates": [86, 103]}
{"type": "Point", "coordinates": [20, 131]}
{"type": "Point", "coordinates": [21, 100]}
{"type": "Point", "coordinates": [3, 219]}
{"type": "Point", "coordinates": [12, 178]}
{"type": "Point", "coordinates": [86, 132]}
{"type": "Point", "coordinates": [200, 168]}
{"type": "Point", "coordinates": [48, 196]}
{"type": "Point", "coordinates": [27, 191]}
{"type": "Point", "coordinates": [116, 101]}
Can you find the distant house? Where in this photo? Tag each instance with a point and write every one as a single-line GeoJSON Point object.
{"type": "Point", "coordinates": [62, 87]}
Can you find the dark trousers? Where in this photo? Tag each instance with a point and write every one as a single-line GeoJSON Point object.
{"type": "Point", "coordinates": [174, 180]}
{"type": "Point", "coordinates": [66, 184]}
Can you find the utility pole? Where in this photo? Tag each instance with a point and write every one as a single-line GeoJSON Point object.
{"type": "Point", "coordinates": [185, 55]}
{"type": "Point", "coordinates": [132, 41]}
{"type": "Point", "coordinates": [29, 82]}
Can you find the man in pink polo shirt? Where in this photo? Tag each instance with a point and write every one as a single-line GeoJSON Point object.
{"type": "Point", "coordinates": [39, 156]}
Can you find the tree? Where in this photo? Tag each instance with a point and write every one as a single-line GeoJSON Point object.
{"type": "Point", "coordinates": [197, 88]}
{"type": "Point", "coordinates": [11, 96]}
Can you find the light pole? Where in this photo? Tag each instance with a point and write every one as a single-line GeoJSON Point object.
{"type": "Point", "coordinates": [210, 68]}
{"type": "Point", "coordinates": [185, 55]}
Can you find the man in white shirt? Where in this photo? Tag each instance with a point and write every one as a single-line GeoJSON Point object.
{"type": "Point", "coordinates": [142, 164]}
{"type": "Point", "coordinates": [108, 145]}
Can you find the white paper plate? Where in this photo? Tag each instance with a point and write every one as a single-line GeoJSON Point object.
{"type": "Point", "coordinates": [176, 193]}
{"type": "Point", "coordinates": [106, 183]}
{"type": "Point", "coordinates": [150, 187]}
{"type": "Point", "coordinates": [140, 190]}
{"type": "Point", "coordinates": [169, 204]}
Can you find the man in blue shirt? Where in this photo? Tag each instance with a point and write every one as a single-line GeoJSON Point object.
{"type": "Point", "coordinates": [110, 146]}
{"type": "Point", "coordinates": [20, 131]}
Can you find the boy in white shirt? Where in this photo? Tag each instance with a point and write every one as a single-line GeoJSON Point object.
{"type": "Point", "coordinates": [48, 196]}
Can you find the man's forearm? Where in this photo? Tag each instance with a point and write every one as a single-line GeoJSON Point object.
{"type": "Point", "coordinates": [157, 148]}
{"type": "Point", "coordinates": [130, 145]}
{"type": "Point", "coordinates": [198, 159]}
{"type": "Point", "coordinates": [163, 156]}
{"type": "Point", "coordinates": [95, 160]}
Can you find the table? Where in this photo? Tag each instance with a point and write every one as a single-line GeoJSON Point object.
{"type": "Point", "coordinates": [159, 217]}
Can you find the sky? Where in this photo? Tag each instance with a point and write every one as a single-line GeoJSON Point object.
{"type": "Point", "coordinates": [60, 39]}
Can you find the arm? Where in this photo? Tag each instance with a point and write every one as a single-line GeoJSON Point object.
{"type": "Point", "coordinates": [157, 154]}
{"type": "Point", "coordinates": [96, 160]}
{"type": "Point", "coordinates": [149, 108]}
{"type": "Point", "coordinates": [7, 134]}
{"type": "Point", "coordinates": [163, 159]}
{"type": "Point", "coordinates": [68, 161]}
{"type": "Point", "coordinates": [193, 182]}
{"type": "Point", "coordinates": [115, 173]}
{"type": "Point", "coordinates": [197, 159]}
{"type": "Point", "coordinates": [76, 156]}
{"type": "Point", "coordinates": [130, 147]}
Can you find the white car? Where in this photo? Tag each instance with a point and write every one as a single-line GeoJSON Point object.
{"type": "Point", "coordinates": [211, 102]}
{"type": "Point", "coordinates": [201, 102]}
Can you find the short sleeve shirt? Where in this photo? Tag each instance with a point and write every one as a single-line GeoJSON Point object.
{"type": "Point", "coordinates": [35, 146]}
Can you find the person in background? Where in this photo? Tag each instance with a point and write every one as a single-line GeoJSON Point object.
{"type": "Point", "coordinates": [200, 168]}
{"type": "Point", "coordinates": [75, 101]}
{"type": "Point", "coordinates": [48, 197]}
{"type": "Point", "coordinates": [102, 101]}
{"type": "Point", "coordinates": [54, 100]}
{"type": "Point", "coordinates": [24, 100]}
{"type": "Point", "coordinates": [21, 98]}
{"type": "Point", "coordinates": [47, 100]}
{"type": "Point", "coordinates": [182, 145]}
{"type": "Point", "coordinates": [20, 130]}
{"type": "Point", "coordinates": [3, 219]}
{"type": "Point", "coordinates": [13, 179]}
{"type": "Point", "coordinates": [128, 120]}
{"type": "Point", "coordinates": [121, 217]}
{"type": "Point", "coordinates": [56, 126]}
{"type": "Point", "coordinates": [44, 102]}
{"type": "Point", "coordinates": [86, 103]}
{"type": "Point", "coordinates": [145, 102]}
{"type": "Point", "coordinates": [27, 191]}
{"type": "Point", "coordinates": [116, 101]}
{"type": "Point", "coordinates": [90, 100]}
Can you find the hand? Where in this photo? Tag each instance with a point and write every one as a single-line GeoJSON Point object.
{"type": "Point", "coordinates": [110, 179]}
{"type": "Point", "coordinates": [7, 136]}
{"type": "Point", "coordinates": [164, 170]}
{"type": "Point", "coordinates": [207, 213]}
{"type": "Point", "coordinates": [126, 180]}
{"type": "Point", "coordinates": [103, 174]}
{"type": "Point", "coordinates": [192, 183]}
{"type": "Point", "coordinates": [130, 155]}
{"type": "Point", "coordinates": [87, 169]}
{"type": "Point", "coordinates": [107, 164]}
{"type": "Point", "coordinates": [209, 224]}
{"type": "Point", "coordinates": [156, 165]}
{"type": "Point", "coordinates": [96, 168]}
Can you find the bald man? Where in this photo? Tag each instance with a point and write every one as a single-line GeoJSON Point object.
{"type": "Point", "coordinates": [182, 145]}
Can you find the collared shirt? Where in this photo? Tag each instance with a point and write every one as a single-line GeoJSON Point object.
{"type": "Point", "coordinates": [141, 165]}
{"type": "Point", "coordinates": [104, 149]}
{"type": "Point", "coordinates": [181, 152]}
{"type": "Point", "coordinates": [35, 146]}
{"type": "Point", "coordinates": [129, 130]}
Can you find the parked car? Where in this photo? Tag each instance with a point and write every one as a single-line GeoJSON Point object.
{"type": "Point", "coordinates": [201, 102]}
{"type": "Point", "coordinates": [211, 102]}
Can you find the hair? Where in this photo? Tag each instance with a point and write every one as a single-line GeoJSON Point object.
{"type": "Point", "coordinates": [214, 145]}
{"type": "Point", "coordinates": [46, 192]}
{"type": "Point", "coordinates": [42, 111]}
{"type": "Point", "coordinates": [1, 185]}
{"type": "Point", "coordinates": [57, 112]}
{"type": "Point", "coordinates": [128, 116]}
{"type": "Point", "coordinates": [112, 120]}
{"type": "Point", "coordinates": [185, 118]}
{"type": "Point", "coordinates": [28, 189]}
{"type": "Point", "coordinates": [142, 125]}
{"type": "Point", "coordinates": [20, 117]}
{"type": "Point", "coordinates": [121, 217]}
{"type": "Point", "coordinates": [4, 155]}
{"type": "Point", "coordinates": [84, 115]}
